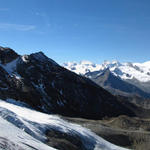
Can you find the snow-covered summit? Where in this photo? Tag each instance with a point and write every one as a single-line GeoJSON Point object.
{"type": "Point", "coordinates": [139, 71]}
{"type": "Point", "coordinates": [82, 67]}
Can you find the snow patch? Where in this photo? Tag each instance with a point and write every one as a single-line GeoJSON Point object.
{"type": "Point", "coordinates": [25, 58]}
{"type": "Point", "coordinates": [10, 68]}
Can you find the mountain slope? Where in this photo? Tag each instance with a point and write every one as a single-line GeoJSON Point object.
{"type": "Point", "coordinates": [44, 85]}
{"type": "Point", "coordinates": [116, 85]}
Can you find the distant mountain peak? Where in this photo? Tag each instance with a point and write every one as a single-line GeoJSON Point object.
{"type": "Point", "coordinates": [116, 85]}
{"type": "Point", "coordinates": [108, 64]}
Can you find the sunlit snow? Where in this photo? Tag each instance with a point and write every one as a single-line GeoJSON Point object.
{"type": "Point", "coordinates": [26, 129]}
{"type": "Point", "coordinates": [139, 71]}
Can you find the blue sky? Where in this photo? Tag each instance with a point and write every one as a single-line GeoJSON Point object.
{"type": "Point", "coordinates": [74, 30]}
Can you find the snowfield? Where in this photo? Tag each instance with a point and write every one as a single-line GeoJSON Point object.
{"type": "Point", "coordinates": [24, 129]}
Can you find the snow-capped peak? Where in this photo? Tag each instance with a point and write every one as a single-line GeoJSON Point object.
{"type": "Point", "coordinates": [139, 71]}
{"type": "Point", "coordinates": [82, 67]}
{"type": "Point", "coordinates": [107, 64]}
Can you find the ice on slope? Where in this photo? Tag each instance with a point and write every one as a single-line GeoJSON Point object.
{"type": "Point", "coordinates": [26, 127]}
{"type": "Point", "coordinates": [10, 68]}
{"type": "Point", "coordinates": [139, 71]}
{"type": "Point", "coordinates": [19, 138]}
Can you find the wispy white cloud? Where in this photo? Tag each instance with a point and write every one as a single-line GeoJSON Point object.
{"type": "Point", "coordinates": [18, 27]}
{"type": "Point", "coordinates": [42, 14]}
{"type": "Point", "coordinates": [4, 9]}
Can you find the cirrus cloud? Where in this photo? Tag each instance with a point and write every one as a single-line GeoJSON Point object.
{"type": "Point", "coordinates": [18, 27]}
{"type": "Point", "coordinates": [4, 9]}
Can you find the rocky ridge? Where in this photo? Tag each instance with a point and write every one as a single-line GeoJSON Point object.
{"type": "Point", "coordinates": [46, 86]}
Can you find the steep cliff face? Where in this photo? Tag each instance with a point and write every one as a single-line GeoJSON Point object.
{"type": "Point", "coordinates": [48, 87]}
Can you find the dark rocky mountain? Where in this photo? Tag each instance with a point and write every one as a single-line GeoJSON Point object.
{"type": "Point", "coordinates": [40, 82]}
{"type": "Point", "coordinates": [115, 84]}
{"type": "Point", "coordinates": [7, 55]}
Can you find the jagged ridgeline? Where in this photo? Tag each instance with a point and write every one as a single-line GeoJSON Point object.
{"type": "Point", "coordinates": [46, 86]}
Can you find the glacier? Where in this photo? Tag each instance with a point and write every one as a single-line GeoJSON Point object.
{"type": "Point", "coordinates": [24, 128]}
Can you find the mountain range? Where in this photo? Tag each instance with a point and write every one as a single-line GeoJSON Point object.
{"type": "Point", "coordinates": [36, 92]}
{"type": "Point", "coordinates": [45, 106]}
{"type": "Point", "coordinates": [127, 79]}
